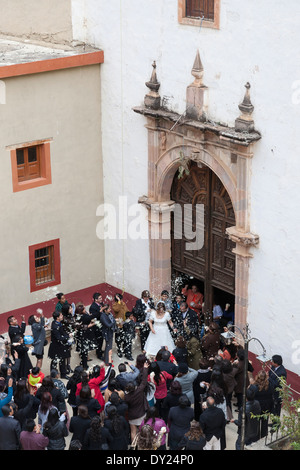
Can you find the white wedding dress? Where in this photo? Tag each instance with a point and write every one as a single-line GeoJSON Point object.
{"type": "Point", "coordinates": [162, 335]}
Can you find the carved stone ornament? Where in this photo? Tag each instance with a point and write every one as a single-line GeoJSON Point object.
{"type": "Point", "coordinates": [241, 238]}
{"type": "Point", "coordinates": [152, 99]}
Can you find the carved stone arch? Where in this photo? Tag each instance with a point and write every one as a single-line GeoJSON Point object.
{"type": "Point", "coordinates": [167, 166]}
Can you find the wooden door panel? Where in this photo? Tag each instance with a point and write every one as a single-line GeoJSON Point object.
{"type": "Point", "coordinates": [214, 263]}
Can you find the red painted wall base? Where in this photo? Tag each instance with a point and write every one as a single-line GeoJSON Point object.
{"type": "Point", "coordinates": [83, 295]}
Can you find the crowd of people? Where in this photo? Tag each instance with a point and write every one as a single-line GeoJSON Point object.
{"type": "Point", "coordinates": [177, 393]}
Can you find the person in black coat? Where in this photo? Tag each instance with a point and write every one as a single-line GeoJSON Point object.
{"type": "Point", "coordinates": [26, 400]}
{"type": "Point", "coordinates": [141, 312]}
{"type": "Point", "coordinates": [10, 429]}
{"type": "Point", "coordinates": [22, 351]}
{"type": "Point", "coordinates": [72, 387]}
{"type": "Point", "coordinates": [96, 309]}
{"type": "Point", "coordinates": [129, 334]}
{"type": "Point", "coordinates": [14, 329]}
{"type": "Point", "coordinates": [172, 399]}
{"type": "Point", "coordinates": [119, 429]}
{"type": "Point", "coordinates": [85, 398]}
{"type": "Point", "coordinates": [85, 336]}
{"type": "Point", "coordinates": [187, 322]}
{"type": "Point", "coordinates": [59, 345]}
{"type": "Point", "coordinates": [166, 365]}
{"type": "Point", "coordinates": [199, 388]}
{"type": "Point", "coordinates": [213, 423]}
{"type": "Point", "coordinates": [251, 422]}
{"type": "Point", "coordinates": [264, 395]}
{"type": "Point", "coordinates": [97, 437]}
{"type": "Point", "coordinates": [80, 424]}
{"type": "Point", "coordinates": [57, 397]}
{"type": "Point", "coordinates": [180, 352]}
{"type": "Point", "coordinates": [276, 374]}
{"type": "Point", "coordinates": [179, 421]}
{"type": "Point", "coordinates": [108, 329]}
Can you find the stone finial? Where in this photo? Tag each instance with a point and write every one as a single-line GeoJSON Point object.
{"type": "Point", "coordinates": [245, 121]}
{"type": "Point", "coordinates": [197, 70]}
{"type": "Point", "coordinates": [197, 93]}
{"type": "Point", "coordinates": [152, 99]}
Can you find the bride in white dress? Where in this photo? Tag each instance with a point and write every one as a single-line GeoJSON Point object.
{"type": "Point", "coordinates": [159, 335]}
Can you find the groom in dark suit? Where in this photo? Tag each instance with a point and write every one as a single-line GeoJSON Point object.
{"type": "Point", "coordinates": [187, 323]}
{"type": "Point", "coordinates": [141, 312]}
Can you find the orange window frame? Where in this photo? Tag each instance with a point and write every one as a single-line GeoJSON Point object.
{"type": "Point", "coordinates": [47, 250]}
{"type": "Point", "coordinates": [41, 174]}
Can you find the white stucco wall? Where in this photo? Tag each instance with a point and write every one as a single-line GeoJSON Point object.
{"type": "Point", "coordinates": [257, 42]}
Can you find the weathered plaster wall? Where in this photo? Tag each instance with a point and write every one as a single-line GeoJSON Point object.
{"type": "Point", "coordinates": [42, 20]}
{"type": "Point", "coordinates": [257, 42]}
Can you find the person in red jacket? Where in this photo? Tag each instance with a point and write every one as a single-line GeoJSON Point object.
{"type": "Point", "coordinates": [94, 380]}
{"type": "Point", "coordinates": [159, 379]}
{"type": "Point", "coordinates": [194, 298]}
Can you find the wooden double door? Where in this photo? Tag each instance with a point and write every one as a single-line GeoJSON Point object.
{"type": "Point", "coordinates": [212, 264]}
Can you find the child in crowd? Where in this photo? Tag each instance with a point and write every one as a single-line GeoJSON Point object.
{"type": "Point", "coordinates": [35, 378]}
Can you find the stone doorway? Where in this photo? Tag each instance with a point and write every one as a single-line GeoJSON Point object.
{"type": "Point", "coordinates": [174, 141]}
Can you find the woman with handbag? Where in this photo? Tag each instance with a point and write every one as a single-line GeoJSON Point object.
{"type": "Point", "coordinates": [97, 437]}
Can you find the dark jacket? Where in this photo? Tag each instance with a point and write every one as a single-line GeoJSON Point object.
{"type": "Point", "coordinates": [17, 330]}
{"type": "Point", "coordinates": [56, 435]}
{"type": "Point", "coordinates": [274, 379]}
{"type": "Point", "coordinates": [104, 444]}
{"type": "Point", "coordinates": [168, 366]}
{"type": "Point", "coordinates": [264, 397]}
{"type": "Point", "coordinates": [59, 341]}
{"type": "Point", "coordinates": [252, 423]}
{"type": "Point", "coordinates": [10, 430]}
{"type": "Point", "coordinates": [179, 421]}
{"type": "Point", "coordinates": [137, 400]}
{"type": "Point", "coordinates": [192, 324]}
{"type": "Point", "coordinates": [212, 422]}
{"type": "Point", "coordinates": [169, 402]}
{"type": "Point", "coordinates": [120, 439]}
{"type": "Point", "coordinates": [78, 427]}
{"type": "Point", "coordinates": [139, 310]}
{"type": "Point", "coordinates": [92, 404]}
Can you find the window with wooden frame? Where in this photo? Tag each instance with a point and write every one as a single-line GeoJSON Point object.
{"type": "Point", "coordinates": [44, 265]}
{"type": "Point", "coordinates": [30, 163]}
{"type": "Point", "coordinates": [199, 13]}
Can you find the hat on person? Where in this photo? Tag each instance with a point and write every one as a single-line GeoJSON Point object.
{"type": "Point", "coordinates": [183, 368]}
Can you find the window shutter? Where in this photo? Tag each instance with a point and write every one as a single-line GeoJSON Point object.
{"type": "Point", "coordinates": [200, 8]}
